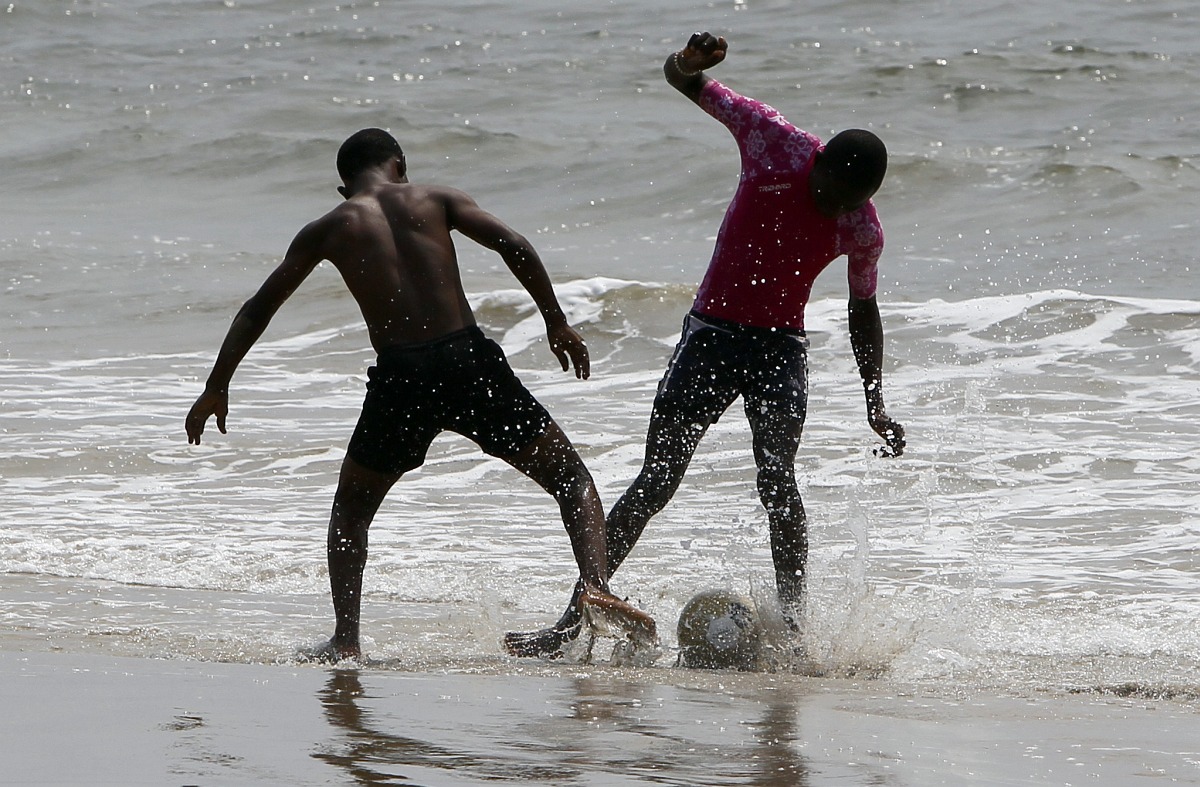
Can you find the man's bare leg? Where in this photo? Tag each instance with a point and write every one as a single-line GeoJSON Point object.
{"type": "Point", "coordinates": [669, 448]}
{"type": "Point", "coordinates": [359, 494]}
{"type": "Point", "coordinates": [554, 464]}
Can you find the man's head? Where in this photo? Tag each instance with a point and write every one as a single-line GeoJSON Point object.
{"type": "Point", "coordinates": [848, 171]}
{"type": "Point", "coordinates": [365, 149]}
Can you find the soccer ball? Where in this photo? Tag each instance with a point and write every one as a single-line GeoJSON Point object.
{"type": "Point", "coordinates": [719, 629]}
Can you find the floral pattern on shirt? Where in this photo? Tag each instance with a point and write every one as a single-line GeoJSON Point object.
{"type": "Point", "coordinates": [773, 241]}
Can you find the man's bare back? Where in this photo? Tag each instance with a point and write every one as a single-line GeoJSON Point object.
{"type": "Point", "coordinates": [391, 243]}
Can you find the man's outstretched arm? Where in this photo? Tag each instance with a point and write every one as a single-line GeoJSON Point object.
{"type": "Point", "coordinates": [684, 69]}
{"type": "Point", "coordinates": [522, 259]}
{"type": "Point", "coordinates": [866, 338]}
{"type": "Point", "coordinates": [249, 324]}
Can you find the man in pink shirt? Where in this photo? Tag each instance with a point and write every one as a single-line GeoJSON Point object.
{"type": "Point", "coordinates": [798, 206]}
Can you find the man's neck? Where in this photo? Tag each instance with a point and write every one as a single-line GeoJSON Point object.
{"type": "Point", "coordinates": [373, 178]}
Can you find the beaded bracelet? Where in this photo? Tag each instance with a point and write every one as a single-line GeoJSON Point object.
{"type": "Point", "coordinates": [675, 60]}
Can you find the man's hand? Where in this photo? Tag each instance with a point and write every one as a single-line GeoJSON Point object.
{"type": "Point", "coordinates": [210, 403]}
{"type": "Point", "coordinates": [567, 345]}
{"type": "Point", "coordinates": [891, 432]}
{"type": "Point", "coordinates": [703, 51]}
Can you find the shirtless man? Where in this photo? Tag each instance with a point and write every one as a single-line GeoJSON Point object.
{"type": "Point", "coordinates": [436, 371]}
{"type": "Point", "coordinates": [799, 205]}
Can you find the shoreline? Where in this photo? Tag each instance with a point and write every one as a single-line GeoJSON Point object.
{"type": "Point", "coordinates": [98, 719]}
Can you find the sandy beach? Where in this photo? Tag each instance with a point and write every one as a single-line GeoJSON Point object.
{"type": "Point", "coordinates": [96, 719]}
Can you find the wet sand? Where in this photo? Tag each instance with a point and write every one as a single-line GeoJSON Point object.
{"type": "Point", "coordinates": [96, 719]}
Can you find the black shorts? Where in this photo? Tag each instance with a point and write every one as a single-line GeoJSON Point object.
{"type": "Point", "coordinates": [718, 360]}
{"type": "Point", "coordinates": [461, 383]}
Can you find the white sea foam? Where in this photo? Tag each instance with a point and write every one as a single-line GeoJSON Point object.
{"type": "Point", "coordinates": [1045, 509]}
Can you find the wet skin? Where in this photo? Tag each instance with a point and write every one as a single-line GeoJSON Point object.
{"type": "Point", "coordinates": [391, 242]}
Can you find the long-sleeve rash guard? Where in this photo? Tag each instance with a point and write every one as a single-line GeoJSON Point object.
{"type": "Point", "coordinates": [773, 241]}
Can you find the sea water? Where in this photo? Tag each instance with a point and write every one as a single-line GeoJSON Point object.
{"type": "Point", "coordinates": [1039, 290]}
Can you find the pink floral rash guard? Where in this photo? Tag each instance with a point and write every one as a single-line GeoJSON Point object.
{"type": "Point", "coordinates": [773, 241]}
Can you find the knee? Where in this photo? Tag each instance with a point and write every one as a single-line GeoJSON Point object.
{"type": "Point", "coordinates": [354, 507]}
{"type": "Point", "coordinates": [360, 491]}
{"type": "Point", "coordinates": [353, 503]}
{"type": "Point", "coordinates": [655, 486]}
{"type": "Point", "coordinates": [777, 483]}
{"type": "Point", "coordinates": [572, 482]}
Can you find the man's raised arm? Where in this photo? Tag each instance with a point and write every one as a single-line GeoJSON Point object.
{"type": "Point", "coordinates": [684, 69]}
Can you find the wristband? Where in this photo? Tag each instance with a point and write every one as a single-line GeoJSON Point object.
{"type": "Point", "coordinates": [675, 60]}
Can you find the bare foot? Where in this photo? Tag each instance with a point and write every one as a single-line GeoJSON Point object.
{"type": "Point", "coordinates": [545, 643]}
{"type": "Point", "coordinates": [609, 615]}
{"type": "Point", "coordinates": [331, 652]}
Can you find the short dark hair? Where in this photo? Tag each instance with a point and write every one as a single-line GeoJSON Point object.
{"type": "Point", "coordinates": [858, 158]}
{"type": "Point", "coordinates": [367, 148]}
